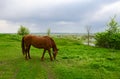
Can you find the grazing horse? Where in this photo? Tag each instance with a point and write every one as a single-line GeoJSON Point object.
{"type": "Point", "coordinates": [44, 42]}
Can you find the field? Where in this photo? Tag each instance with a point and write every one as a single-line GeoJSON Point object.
{"type": "Point", "coordinates": [74, 61]}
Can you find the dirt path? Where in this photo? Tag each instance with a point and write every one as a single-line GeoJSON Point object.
{"type": "Point", "coordinates": [48, 69]}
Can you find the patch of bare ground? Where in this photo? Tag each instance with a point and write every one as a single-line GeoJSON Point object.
{"type": "Point", "coordinates": [49, 71]}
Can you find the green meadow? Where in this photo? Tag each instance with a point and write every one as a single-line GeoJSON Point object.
{"type": "Point", "coordinates": [74, 61]}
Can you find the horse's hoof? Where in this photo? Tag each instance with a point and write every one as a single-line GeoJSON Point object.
{"type": "Point", "coordinates": [26, 59]}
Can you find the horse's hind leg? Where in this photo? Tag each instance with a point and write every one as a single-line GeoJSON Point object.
{"type": "Point", "coordinates": [50, 55]}
{"type": "Point", "coordinates": [26, 54]}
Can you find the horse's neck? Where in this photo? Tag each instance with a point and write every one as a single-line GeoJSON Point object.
{"type": "Point", "coordinates": [54, 46]}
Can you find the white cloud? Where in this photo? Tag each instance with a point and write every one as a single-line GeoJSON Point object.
{"type": "Point", "coordinates": [101, 16]}
{"type": "Point", "coordinates": [107, 11]}
{"type": "Point", "coordinates": [7, 27]}
{"type": "Point", "coordinates": [64, 23]}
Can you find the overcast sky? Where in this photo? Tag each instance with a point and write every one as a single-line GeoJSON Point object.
{"type": "Point", "coordinates": [61, 16]}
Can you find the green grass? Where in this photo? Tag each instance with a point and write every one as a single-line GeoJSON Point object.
{"type": "Point", "coordinates": [74, 61]}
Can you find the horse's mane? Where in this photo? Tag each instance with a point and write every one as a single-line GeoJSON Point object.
{"type": "Point", "coordinates": [52, 41]}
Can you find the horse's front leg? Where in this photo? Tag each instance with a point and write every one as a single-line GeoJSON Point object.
{"type": "Point", "coordinates": [26, 56]}
{"type": "Point", "coordinates": [43, 54]}
{"type": "Point", "coordinates": [50, 55]}
{"type": "Point", "coordinates": [29, 52]}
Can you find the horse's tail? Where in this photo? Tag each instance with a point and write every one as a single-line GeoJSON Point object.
{"type": "Point", "coordinates": [23, 46]}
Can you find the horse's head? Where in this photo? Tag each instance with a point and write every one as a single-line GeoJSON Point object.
{"type": "Point", "coordinates": [55, 53]}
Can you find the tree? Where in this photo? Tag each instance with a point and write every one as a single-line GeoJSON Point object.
{"type": "Point", "coordinates": [111, 37]}
{"type": "Point", "coordinates": [88, 28]}
{"type": "Point", "coordinates": [48, 32]}
{"type": "Point", "coordinates": [23, 30]}
{"type": "Point", "coordinates": [113, 26]}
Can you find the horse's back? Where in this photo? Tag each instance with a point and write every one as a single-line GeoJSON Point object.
{"type": "Point", "coordinates": [38, 41]}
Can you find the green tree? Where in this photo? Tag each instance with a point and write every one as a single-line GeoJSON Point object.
{"type": "Point", "coordinates": [113, 26]}
{"type": "Point", "coordinates": [23, 30]}
{"type": "Point", "coordinates": [111, 37]}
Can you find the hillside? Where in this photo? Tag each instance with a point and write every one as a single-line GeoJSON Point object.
{"type": "Point", "coordinates": [74, 61]}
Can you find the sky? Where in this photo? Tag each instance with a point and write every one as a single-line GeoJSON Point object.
{"type": "Point", "coordinates": [60, 16]}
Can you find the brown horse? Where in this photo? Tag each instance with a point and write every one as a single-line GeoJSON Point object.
{"type": "Point", "coordinates": [44, 42]}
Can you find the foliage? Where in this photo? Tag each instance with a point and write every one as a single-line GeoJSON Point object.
{"type": "Point", "coordinates": [23, 30]}
{"type": "Point", "coordinates": [74, 61]}
{"type": "Point", "coordinates": [113, 26]}
{"type": "Point", "coordinates": [111, 37]}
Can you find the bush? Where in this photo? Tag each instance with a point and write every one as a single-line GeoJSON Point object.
{"type": "Point", "coordinates": [106, 40]}
{"type": "Point", "coordinates": [111, 37]}
{"type": "Point", "coordinates": [23, 30]}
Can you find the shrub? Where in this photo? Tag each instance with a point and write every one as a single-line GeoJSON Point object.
{"type": "Point", "coordinates": [23, 30]}
{"type": "Point", "coordinates": [106, 40]}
